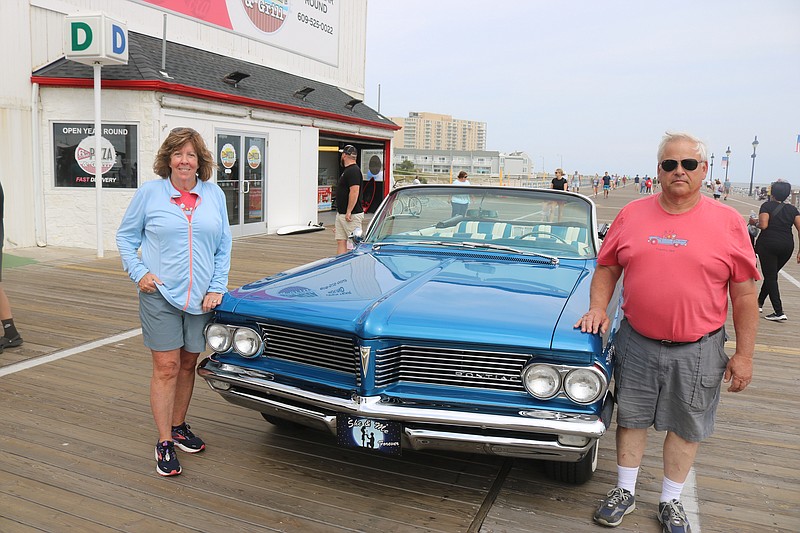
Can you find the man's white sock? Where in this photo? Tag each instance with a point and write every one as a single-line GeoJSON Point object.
{"type": "Point", "coordinates": [670, 490]}
{"type": "Point", "coordinates": [626, 478]}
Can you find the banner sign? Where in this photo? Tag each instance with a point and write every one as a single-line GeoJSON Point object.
{"type": "Point", "coordinates": [306, 27]}
{"type": "Point", "coordinates": [74, 158]}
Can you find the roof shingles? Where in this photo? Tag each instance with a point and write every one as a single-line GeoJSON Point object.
{"type": "Point", "coordinates": [203, 70]}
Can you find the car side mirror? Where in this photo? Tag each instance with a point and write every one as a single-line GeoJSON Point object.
{"type": "Point", "coordinates": [357, 236]}
{"type": "Point", "coordinates": [603, 230]}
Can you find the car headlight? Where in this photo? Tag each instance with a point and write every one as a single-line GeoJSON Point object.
{"type": "Point", "coordinates": [584, 385]}
{"type": "Point", "coordinates": [218, 337]}
{"type": "Point", "coordinates": [541, 381]}
{"type": "Point", "coordinates": [246, 342]}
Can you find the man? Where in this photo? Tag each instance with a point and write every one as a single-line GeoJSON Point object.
{"type": "Point", "coordinates": [350, 213]}
{"type": "Point", "coordinates": [670, 358]}
{"type": "Point", "coordinates": [606, 184]}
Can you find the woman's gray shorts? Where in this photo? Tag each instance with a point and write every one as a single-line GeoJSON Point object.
{"type": "Point", "coordinates": [671, 387]}
{"type": "Point", "coordinates": [165, 328]}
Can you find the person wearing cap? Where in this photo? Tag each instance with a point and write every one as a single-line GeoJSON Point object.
{"type": "Point", "coordinates": [350, 213]}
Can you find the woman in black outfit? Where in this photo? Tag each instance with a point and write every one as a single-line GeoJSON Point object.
{"type": "Point", "coordinates": [775, 244]}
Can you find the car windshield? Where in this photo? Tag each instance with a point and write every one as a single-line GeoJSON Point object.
{"type": "Point", "coordinates": [524, 220]}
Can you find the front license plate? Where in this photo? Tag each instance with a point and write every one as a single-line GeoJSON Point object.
{"type": "Point", "coordinates": [379, 435]}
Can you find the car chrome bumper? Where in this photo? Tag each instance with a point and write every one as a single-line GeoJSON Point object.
{"type": "Point", "coordinates": [255, 390]}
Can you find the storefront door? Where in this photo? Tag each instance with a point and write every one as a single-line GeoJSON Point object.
{"type": "Point", "coordinates": [241, 173]}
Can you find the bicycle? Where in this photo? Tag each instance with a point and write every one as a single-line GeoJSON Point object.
{"type": "Point", "coordinates": [410, 205]}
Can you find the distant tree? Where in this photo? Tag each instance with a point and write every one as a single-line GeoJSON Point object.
{"type": "Point", "coordinates": [405, 166]}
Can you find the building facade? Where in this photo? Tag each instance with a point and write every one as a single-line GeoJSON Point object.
{"type": "Point", "coordinates": [483, 166]}
{"type": "Point", "coordinates": [432, 131]}
{"type": "Point", "coordinates": [273, 106]}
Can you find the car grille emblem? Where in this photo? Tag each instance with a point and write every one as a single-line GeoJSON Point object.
{"type": "Point", "coordinates": [364, 360]}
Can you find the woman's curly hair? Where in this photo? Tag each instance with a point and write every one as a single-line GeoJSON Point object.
{"type": "Point", "coordinates": [174, 141]}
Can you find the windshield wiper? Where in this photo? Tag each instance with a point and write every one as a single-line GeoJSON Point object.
{"type": "Point", "coordinates": [468, 244]}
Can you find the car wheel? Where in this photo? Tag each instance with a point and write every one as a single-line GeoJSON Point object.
{"type": "Point", "coordinates": [574, 473]}
{"type": "Point", "coordinates": [280, 422]}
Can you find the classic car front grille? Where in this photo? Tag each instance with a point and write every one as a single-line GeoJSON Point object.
{"type": "Point", "coordinates": [311, 348]}
{"type": "Point", "coordinates": [446, 366]}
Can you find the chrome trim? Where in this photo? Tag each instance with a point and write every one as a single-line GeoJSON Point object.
{"type": "Point", "coordinates": [319, 410]}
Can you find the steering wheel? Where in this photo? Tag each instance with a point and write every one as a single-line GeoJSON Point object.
{"type": "Point", "coordinates": [547, 233]}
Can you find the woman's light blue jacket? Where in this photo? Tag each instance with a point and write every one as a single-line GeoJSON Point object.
{"type": "Point", "coordinates": [190, 258]}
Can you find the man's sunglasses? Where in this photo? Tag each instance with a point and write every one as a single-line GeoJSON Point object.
{"type": "Point", "coordinates": [668, 165]}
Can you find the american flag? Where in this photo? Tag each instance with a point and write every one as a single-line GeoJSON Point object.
{"type": "Point", "coordinates": [797, 144]}
{"type": "Point", "coordinates": [724, 161]}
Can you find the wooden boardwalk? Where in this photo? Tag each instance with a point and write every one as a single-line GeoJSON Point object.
{"type": "Point", "coordinates": [76, 434]}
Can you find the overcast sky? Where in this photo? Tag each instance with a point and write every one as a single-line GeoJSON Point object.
{"type": "Point", "coordinates": [596, 83]}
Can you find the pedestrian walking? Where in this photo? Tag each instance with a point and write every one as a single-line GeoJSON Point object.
{"type": "Point", "coordinates": [663, 353]}
{"type": "Point", "coordinates": [775, 245]}
{"type": "Point", "coordinates": [606, 184]}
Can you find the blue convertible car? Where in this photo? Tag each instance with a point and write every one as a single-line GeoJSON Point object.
{"type": "Point", "coordinates": [435, 332]}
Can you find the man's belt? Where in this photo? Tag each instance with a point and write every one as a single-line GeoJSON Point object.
{"type": "Point", "coordinates": [667, 342]}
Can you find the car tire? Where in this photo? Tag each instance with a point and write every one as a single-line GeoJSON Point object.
{"type": "Point", "coordinates": [281, 422]}
{"type": "Point", "coordinates": [574, 473]}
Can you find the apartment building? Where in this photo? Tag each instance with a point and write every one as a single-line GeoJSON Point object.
{"type": "Point", "coordinates": [433, 131]}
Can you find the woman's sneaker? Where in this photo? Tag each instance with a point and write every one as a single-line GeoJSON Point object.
{"type": "Point", "coordinates": [617, 504]}
{"type": "Point", "coordinates": [186, 440]}
{"type": "Point", "coordinates": [775, 317]}
{"type": "Point", "coordinates": [166, 461]}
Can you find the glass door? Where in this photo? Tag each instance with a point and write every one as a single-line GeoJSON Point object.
{"type": "Point", "coordinates": [241, 173]}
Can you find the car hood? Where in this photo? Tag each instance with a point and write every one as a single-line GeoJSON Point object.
{"type": "Point", "coordinates": [452, 297]}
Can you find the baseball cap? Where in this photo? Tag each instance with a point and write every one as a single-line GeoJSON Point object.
{"type": "Point", "coordinates": [349, 149]}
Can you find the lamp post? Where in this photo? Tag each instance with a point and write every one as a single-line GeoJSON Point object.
{"type": "Point", "coordinates": [712, 168]}
{"type": "Point", "coordinates": [753, 168]}
{"type": "Point", "coordinates": [727, 161]}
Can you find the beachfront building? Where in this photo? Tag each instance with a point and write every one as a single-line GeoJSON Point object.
{"type": "Point", "coordinates": [433, 131]}
{"type": "Point", "coordinates": [483, 166]}
{"type": "Point", "coordinates": [274, 88]}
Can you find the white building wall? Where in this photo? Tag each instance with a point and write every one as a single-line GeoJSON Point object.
{"type": "Point", "coordinates": [47, 26]}
{"type": "Point", "coordinates": [70, 220]}
{"type": "Point", "coordinates": [32, 35]}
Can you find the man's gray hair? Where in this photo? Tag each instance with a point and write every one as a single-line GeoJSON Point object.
{"type": "Point", "coordinates": [681, 136]}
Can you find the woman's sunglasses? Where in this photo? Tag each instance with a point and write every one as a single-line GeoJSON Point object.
{"type": "Point", "coordinates": [668, 165]}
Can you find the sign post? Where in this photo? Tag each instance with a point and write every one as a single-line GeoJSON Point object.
{"type": "Point", "coordinates": [95, 39]}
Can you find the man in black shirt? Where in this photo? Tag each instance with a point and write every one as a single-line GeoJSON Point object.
{"type": "Point", "coordinates": [350, 213]}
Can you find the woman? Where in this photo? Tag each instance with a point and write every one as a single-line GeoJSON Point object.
{"type": "Point", "coordinates": [181, 224]}
{"type": "Point", "coordinates": [775, 244]}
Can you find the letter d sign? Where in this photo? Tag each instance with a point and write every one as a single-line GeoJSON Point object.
{"type": "Point", "coordinates": [94, 38]}
{"type": "Point", "coordinates": [118, 40]}
{"type": "Point", "coordinates": [80, 36]}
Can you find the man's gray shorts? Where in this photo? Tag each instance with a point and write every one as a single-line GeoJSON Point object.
{"type": "Point", "coordinates": [671, 387]}
{"type": "Point", "coordinates": [165, 327]}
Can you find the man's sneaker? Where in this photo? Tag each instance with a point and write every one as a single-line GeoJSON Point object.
{"type": "Point", "coordinates": [5, 342]}
{"type": "Point", "coordinates": [617, 504]}
{"type": "Point", "coordinates": [673, 517]}
{"type": "Point", "coordinates": [186, 440]}
{"type": "Point", "coordinates": [166, 461]}
{"type": "Point", "coordinates": [775, 317]}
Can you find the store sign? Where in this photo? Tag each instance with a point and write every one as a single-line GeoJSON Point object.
{"type": "Point", "coordinates": [74, 155]}
{"type": "Point", "coordinates": [93, 38]}
{"type": "Point", "coordinates": [306, 27]}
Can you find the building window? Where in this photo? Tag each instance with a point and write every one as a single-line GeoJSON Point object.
{"type": "Point", "coordinates": [74, 146]}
